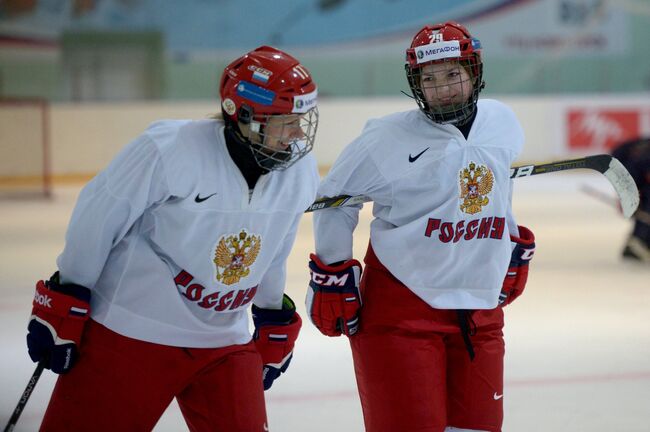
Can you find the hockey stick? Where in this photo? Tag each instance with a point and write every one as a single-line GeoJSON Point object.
{"type": "Point", "coordinates": [25, 397]}
{"type": "Point", "coordinates": [607, 165]}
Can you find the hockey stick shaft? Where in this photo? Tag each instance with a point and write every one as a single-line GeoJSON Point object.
{"type": "Point", "coordinates": [605, 164]}
{"type": "Point", "coordinates": [25, 397]}
{"type": "Point", "coordinates": [600, 163]}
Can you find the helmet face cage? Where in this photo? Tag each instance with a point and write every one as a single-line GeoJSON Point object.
{"type": "Point", "coordinates": [279, 141]}
{"type": "Point", "coordinates": [273, 100]}
{"type": "Point", "coordinates": [452, 56]}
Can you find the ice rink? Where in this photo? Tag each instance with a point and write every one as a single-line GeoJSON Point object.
{"type": "Point", "coordinates": [578, 340]}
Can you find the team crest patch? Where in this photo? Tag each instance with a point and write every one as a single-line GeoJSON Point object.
{"type": "Point", "coordinates": [234, 255]}
{"type": "Point", "coordinates": [475, 184]}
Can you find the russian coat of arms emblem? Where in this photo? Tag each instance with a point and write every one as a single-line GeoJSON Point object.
{"type": "Point", "coordinates": [476, 182]}
{"type": "Point", "coordinates": [234, 256]}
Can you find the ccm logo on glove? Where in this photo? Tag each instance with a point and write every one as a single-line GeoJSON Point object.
{"type": "Point", "coordinates": [329, 279]}
{"type": "Point", "coordinates": [333, 298]}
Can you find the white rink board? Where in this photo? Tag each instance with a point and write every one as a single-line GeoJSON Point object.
{"type": "Point", "coordinates": [85, 137]}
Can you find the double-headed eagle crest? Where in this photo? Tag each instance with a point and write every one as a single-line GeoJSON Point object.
{"type": "Point", "coordinates": [475, 183]}
{"type": "Point", "coordinates": [234, 255]}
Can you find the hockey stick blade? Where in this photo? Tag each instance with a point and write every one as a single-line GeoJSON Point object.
{"type": "Point", "coordinates": [11, 424]}
{"type": "Point", "coordinates": [607, 165]}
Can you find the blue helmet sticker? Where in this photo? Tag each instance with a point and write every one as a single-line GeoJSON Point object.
{"type": "Point", "coordinates": [255, 93]}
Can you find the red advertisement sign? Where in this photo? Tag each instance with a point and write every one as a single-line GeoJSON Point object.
{"type": "Point", "coordinates": [601, 129]}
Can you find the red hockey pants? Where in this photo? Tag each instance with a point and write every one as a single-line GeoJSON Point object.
{"type": "Point", "coordinates": [123, 384]}
{"type": "Point", "coordinates": [412, 366]}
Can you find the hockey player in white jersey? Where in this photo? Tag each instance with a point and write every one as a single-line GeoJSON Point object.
{"type": "Point", "coordinates": [445, 253]}
{"type": "Point", "coordinates": [167, 249]}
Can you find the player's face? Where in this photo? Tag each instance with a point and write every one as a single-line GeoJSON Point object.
{"type": "Point", "coordinates": [446, 85]}
{"type": "Point", "coordinates": [278, 141]}
{"type": "Point", "coordinates": [283, 130]}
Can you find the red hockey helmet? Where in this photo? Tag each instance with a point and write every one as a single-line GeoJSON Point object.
{"type": "Point", "coordinates": [268, 84]}
{"type": "Point", "coordinates": [445, 42]}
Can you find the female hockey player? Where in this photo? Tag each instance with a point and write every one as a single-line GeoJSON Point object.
{"type": "Point", "coordinates": [445, 253]}
{"type": "Point", "coordinates": [167, 248]}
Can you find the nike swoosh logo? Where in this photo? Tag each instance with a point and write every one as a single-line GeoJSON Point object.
{"type": "Point", "coordinates": [414, 158]}
{"type": "Point", "coordinates": [497, 396]}
{"type": "Point", "coordinates": [200, 199]}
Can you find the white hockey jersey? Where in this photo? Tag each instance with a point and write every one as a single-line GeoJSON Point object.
{"type": "Point", "coordinates": [442, 203]}
{"type": "Point", "coordinates": [173, 246]}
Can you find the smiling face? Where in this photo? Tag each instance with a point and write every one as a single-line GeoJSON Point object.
{"type": "Point", "coordinates": [446, 86]}
{"type": "Point", "coordinates": [283, 130]}
{"type": "Point", "coordinates": [277, 141]}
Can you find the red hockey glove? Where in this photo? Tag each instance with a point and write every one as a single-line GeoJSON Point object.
{"type": "Point", "coordinates": [515, 280]}
{"type": "Point", "coordinates": [333, 298]}
{"type": "Point", "coordinates": [276, 331]}
{"type": "Point", "coordinates": [58, 317]}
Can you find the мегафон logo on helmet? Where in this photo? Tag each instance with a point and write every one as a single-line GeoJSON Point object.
{"type": "Point", "coordinates": [436, 51]}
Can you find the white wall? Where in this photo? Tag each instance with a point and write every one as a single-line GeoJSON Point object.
{"type": "Point", "coordinates": [85, 137]}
